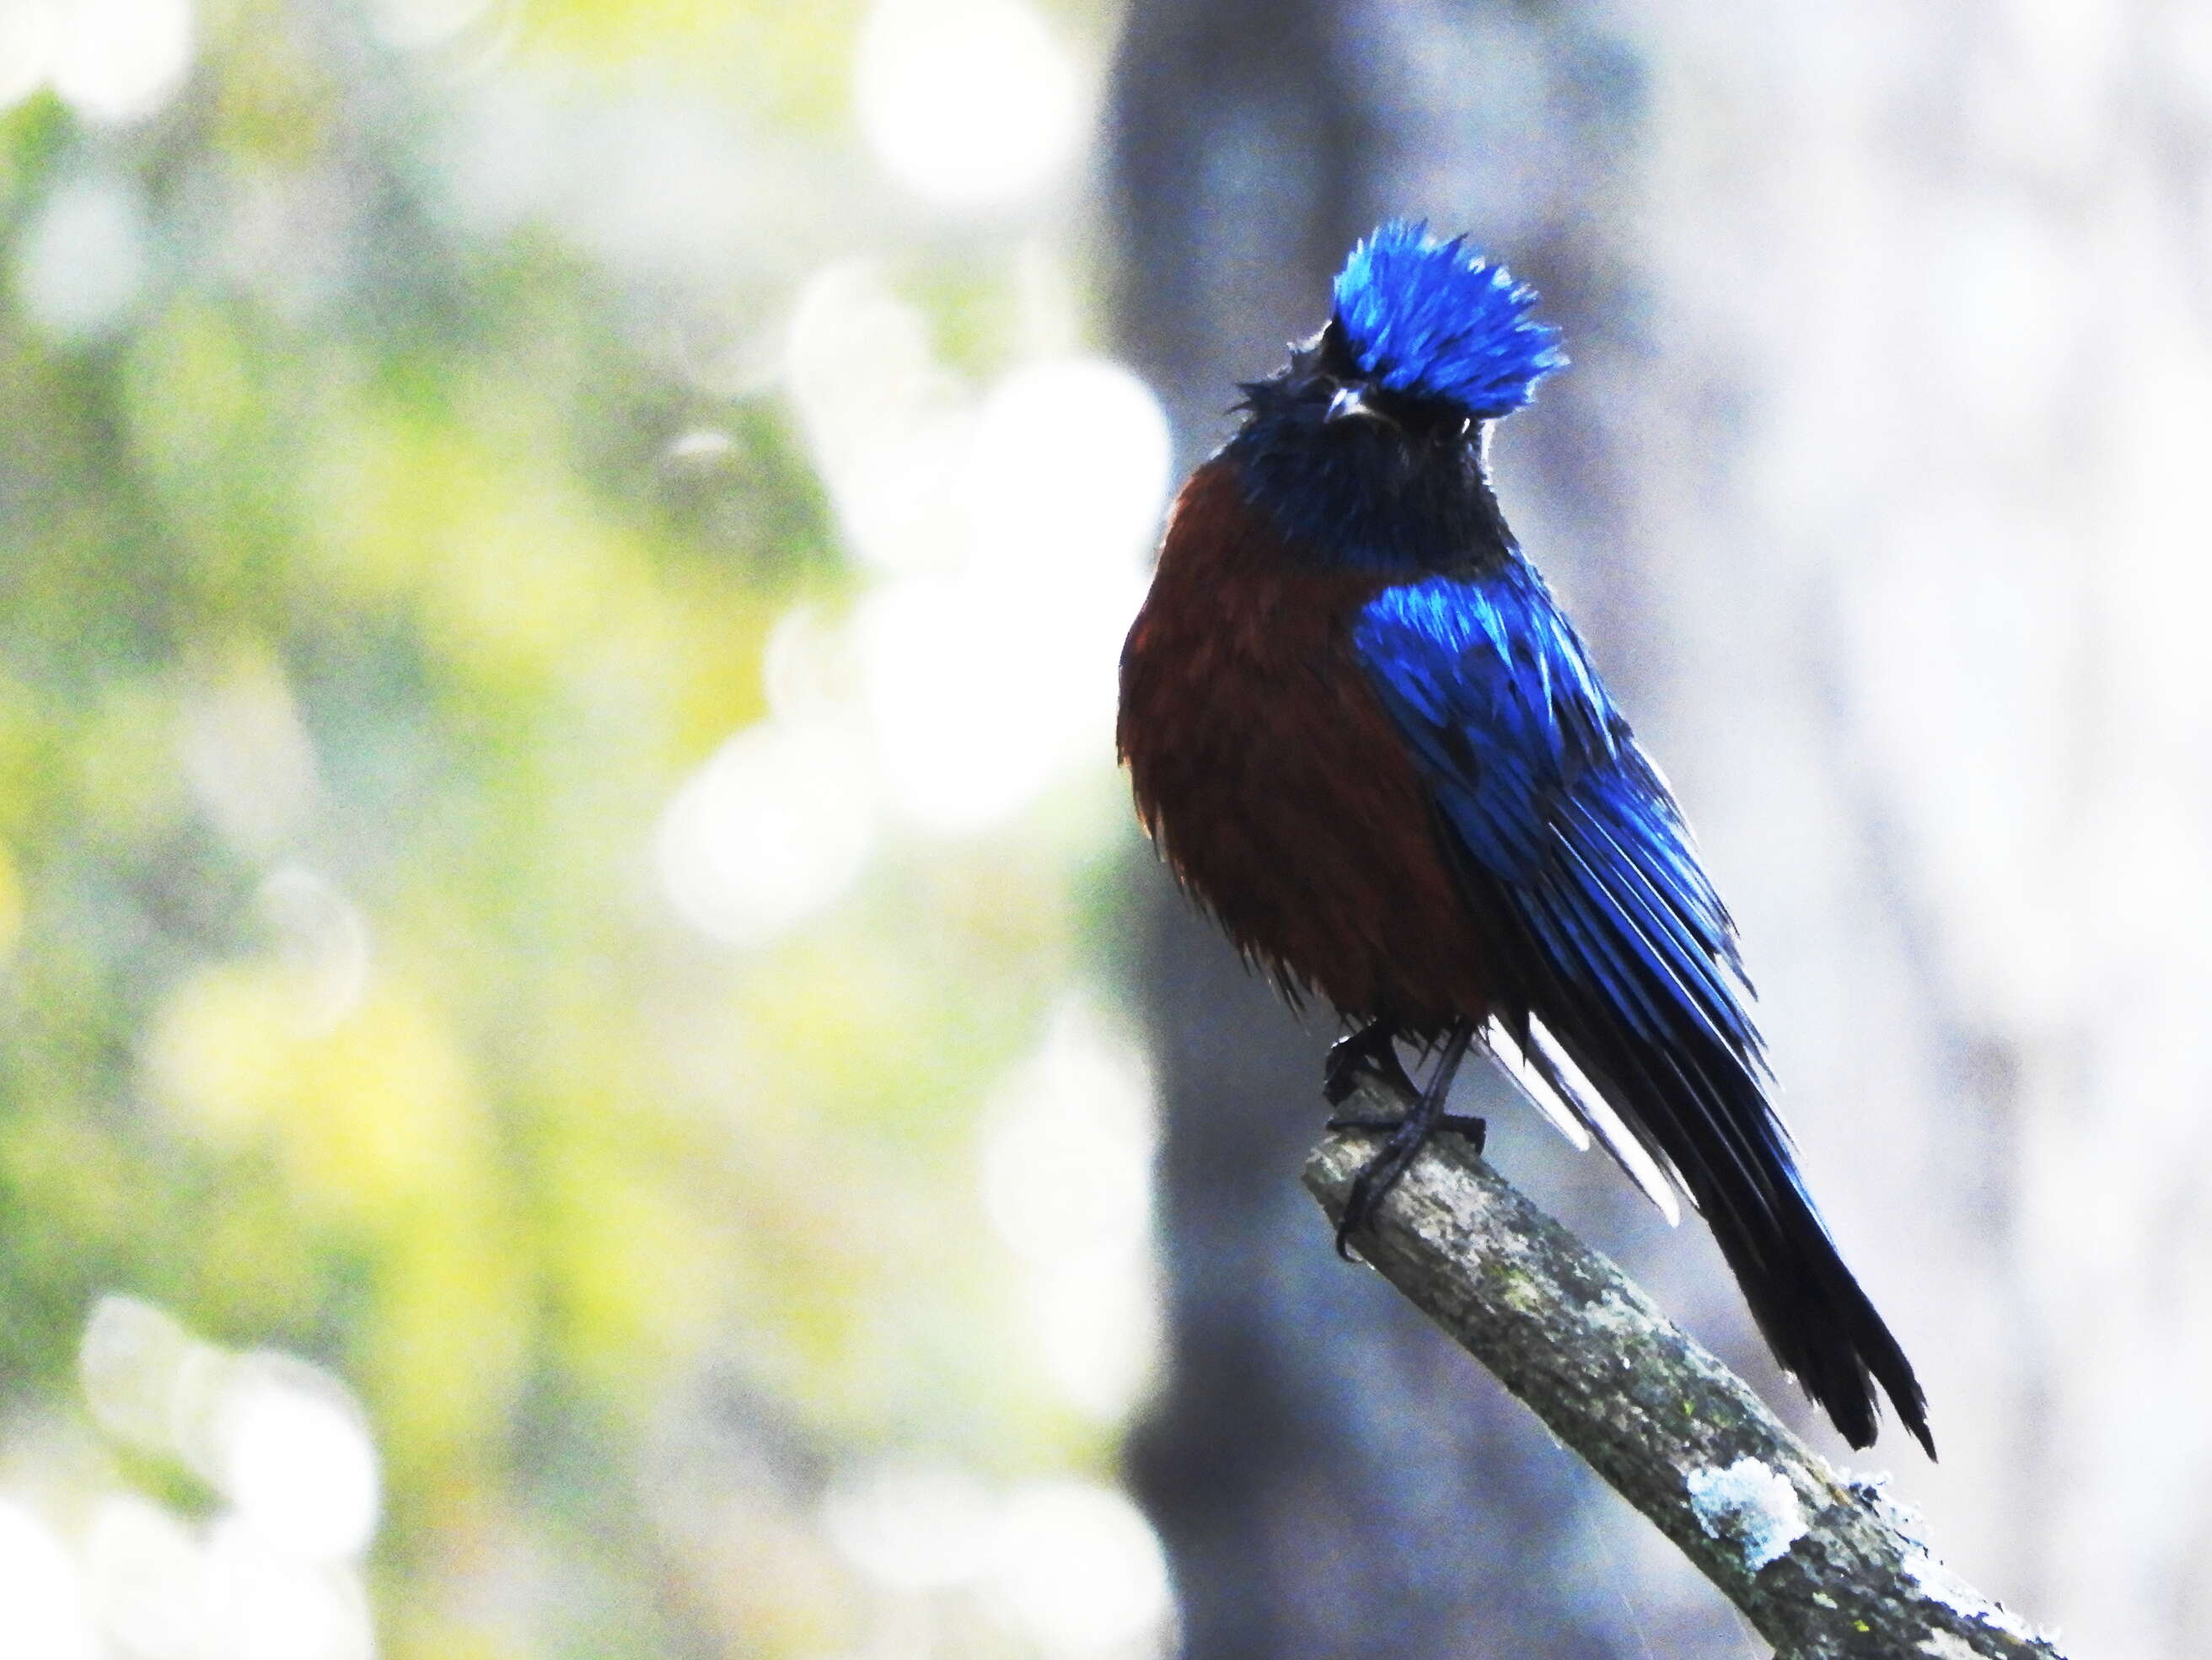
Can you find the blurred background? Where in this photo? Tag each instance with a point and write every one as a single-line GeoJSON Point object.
{"type": "Point", "coordinates": [590, 1061]}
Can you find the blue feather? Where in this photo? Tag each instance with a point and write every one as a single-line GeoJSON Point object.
{"type": "Point", "coordinates": [1432, 318]}
{"type": "Point", "coordinates": [1546, 789]}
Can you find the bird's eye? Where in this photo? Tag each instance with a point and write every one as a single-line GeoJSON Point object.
{"type": "Point", "coordinates": [1328, 358]}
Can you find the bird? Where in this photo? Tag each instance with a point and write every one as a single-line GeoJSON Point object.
{"type": "Point", "coordinates": [1366, 738]}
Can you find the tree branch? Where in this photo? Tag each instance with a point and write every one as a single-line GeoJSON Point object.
{"type": "Point", "coordinates": [1826, 1566]}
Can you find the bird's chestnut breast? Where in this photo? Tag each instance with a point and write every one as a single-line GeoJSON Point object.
{"type": "Point", "coordinates": [1273, 781]}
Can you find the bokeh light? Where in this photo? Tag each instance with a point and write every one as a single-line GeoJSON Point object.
{"type": "Point", "coordinates": [267, 1603]}
{"type": "Point", "coordinates": [42, 1608]}
{"type": "Point", "coordinates": [85, 261]}
{"type": "Point", "coordinates": [293, 1455]}
{"type": "Point", "coordinates": [970, 103]}
{"type": "Point", "coordinates": [413, 24]}
{"type": "Point", "coordinates": [888, 425]}
{"type": "Point", "coordinates": [916, 1524]}
{"type": "Point", "coordinates": [774, 827]}
{"type": "Point", "coordinates": [1068, 1143]}
{"type": "Point", "coordinates": [1068, 469]}
{"type": "Point", "coordinates": [135, 1364]}
{"type": "Point", "coordinates": [148, 1580]}
{"type": "Point", "coordinates": [247, 756]}
{"type": "Point", "coordinates": [117, 61]}
{"type": "Point", "coordinates": [1065, 1171]}
{"type": "Point", "coordinates": [1072, 1567]}
{"type": "Point", "coordinates": [30, 30]}
{"type": "Point", "coordinates": [274, 1576]}
{"type": "Point", "coordinates": [966, 695]}
{"type": "Point", "coordinates": [1010, 531]}
{"type": "Point", "coordinates": [1017, 525]}
{"type": "Point", "coordinates": [1081, 1572]}
{"type": "Point", "coordinates": [323, 940]}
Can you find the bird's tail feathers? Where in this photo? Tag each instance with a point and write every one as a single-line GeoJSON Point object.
{"type": "Point", "coordinates": [1719, 1136]}
{"type": "Point", "coordinates": [1547, 1076]}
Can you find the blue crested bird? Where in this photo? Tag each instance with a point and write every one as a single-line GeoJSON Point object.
{"type": "Point", "coordinates": [1370, 742]}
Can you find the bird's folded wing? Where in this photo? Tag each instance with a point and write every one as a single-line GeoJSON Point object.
{"type": "Point", "coordinates": [1602, 932]}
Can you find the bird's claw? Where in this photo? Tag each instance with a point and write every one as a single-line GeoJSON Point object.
{"type": "Point", "coordinates": [1372, 1185]}
{"type": "Point", "coordinates": [1370, 1052]}
{"type": "Point", "coordinates": [1408, 1134]}
{"type": "Point", "coordinates": [1405, 1133]}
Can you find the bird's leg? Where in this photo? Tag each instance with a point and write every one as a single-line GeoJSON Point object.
{"type": "Point", "coordinates": [1372, 1049]}
{"type": "Point", "coordinates": [1407, 1136]}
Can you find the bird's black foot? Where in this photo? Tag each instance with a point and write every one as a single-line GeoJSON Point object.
{"type": "Point", "coordinates": [1407, 1134]}
{"type": "Point", "coordinates": [1403, 1137]}
{"type": "Point", "coordinates": [1372, 1051]}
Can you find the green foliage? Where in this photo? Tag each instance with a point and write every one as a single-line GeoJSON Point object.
{"type": "Point", "coordinates": [357, 596]}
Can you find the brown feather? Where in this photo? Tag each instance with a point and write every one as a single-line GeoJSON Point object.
{"type": "Point", "coordinates": [1272, 780]}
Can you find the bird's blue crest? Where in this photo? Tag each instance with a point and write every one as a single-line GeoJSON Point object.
{"type": "Point", "coordinates": [1435, 320]}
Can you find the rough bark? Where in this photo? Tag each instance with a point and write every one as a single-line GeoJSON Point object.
{"type": "Point", "coordinates": [1827, 1567]}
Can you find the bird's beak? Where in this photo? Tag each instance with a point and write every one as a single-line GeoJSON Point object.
{"type": "Point", "coordinates": [1347, 403]}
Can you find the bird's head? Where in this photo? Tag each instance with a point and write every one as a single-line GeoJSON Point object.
{"type": "Point", "coordinates": [1379, 416]}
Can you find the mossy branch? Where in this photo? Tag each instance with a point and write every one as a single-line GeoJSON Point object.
{"type": "Point", "coordinates": [1825, 1566]}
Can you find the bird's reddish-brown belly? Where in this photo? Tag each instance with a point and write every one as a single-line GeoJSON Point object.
{"type": "Point", "coordinates": [1272, 779]}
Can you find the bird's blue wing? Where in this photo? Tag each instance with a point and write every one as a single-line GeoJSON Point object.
{"type": "Point", "coordinates": [1597, 924]}
{"type": "Point", "coordinates": [1570, 842]}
